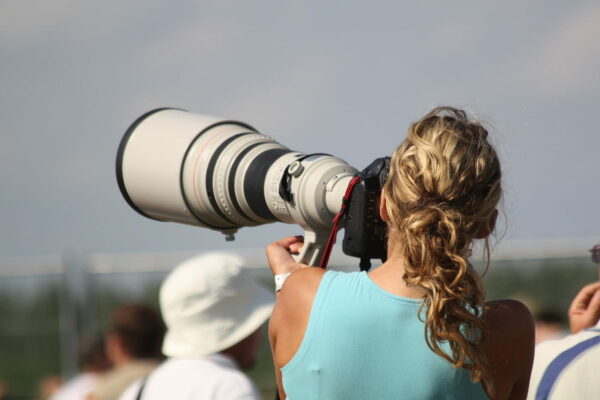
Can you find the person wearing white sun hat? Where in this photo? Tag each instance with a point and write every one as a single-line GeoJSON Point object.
{"type": "Point", "coordinates": [213, 309]}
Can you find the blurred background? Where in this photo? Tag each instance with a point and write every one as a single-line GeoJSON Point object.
{"type": "Point", "coordinates": [344, 78]}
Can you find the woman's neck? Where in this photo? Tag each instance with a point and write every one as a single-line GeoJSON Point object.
{"type": "Point", "coordinates": [389, 277]}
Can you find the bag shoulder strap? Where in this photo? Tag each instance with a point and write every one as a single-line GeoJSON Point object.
{"type": "Point", "coordinates": [141, 389]}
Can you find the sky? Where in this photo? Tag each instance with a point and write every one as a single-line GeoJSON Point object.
{"type": "Point", "coordinates": [344, 78]}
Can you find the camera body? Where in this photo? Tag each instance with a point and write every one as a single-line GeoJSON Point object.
{"type": "Point", "coordinates": [365, 233]}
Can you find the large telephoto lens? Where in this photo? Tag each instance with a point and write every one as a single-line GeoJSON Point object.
{"type": "Point", "coordinates": [173, 165]}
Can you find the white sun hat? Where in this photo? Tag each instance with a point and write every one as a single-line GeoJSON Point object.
{"type": "Point", "coordinates": [209, 303]}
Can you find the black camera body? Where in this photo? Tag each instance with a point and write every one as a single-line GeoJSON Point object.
{"type": "Point", "coordinates": [365, 233]}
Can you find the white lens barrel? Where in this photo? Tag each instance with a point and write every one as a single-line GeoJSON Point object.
{"type": "Point", "coordinates": [209, 168]}
{"type": "Point", "coordinates": [317, 187]}
{"type": "Point", "coordinates": [173, 165]}
{"type": "Point", "coordinates": [151, 158]}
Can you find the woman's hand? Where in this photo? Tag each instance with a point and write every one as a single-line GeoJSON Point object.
{"type": "Point", "coordinates": [585, 308]}
{"type": "Point", "coordinates": [279, 255]}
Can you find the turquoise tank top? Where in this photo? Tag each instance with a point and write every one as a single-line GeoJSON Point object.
{"type": "Point", "coordinates": [362, 342]}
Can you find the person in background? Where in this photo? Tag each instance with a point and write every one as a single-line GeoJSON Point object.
{"type": "Point", "coordinates": [568, 368]}
{"type": "Point", "coordinates": [418, 326]}
{"type": "Point", "coordinates": [133, 343]}
{"type": "Point", "coordinates": [548, 326]}
{"type": "Point", "coordinates": [48, 385]}
{"type": "Point", "coordinates": [4, 390]}
{"type": "Point", "coordinates": [94, 362]}
{"type": "Point", "coordinates": [213, 310]}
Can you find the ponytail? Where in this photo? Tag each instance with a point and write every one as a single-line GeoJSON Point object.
{"type": "Point", "coordinates": [443, 187]}
{"type": "Point", "coordinates": [436, 260]}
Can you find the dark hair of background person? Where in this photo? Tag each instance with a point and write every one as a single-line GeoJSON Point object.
{"type": "Point", "coordinates": [140, 330]}
{"type": "Point", "coordinates": [550, 317]}
{"type": "Point", "coordinates": [596, 254]}
{"type": "Point", "coordinates": [92, 355]}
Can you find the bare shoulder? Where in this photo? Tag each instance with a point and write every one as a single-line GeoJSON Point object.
{"type": "Point", "coordinates": [509, 346]}
{"type": "Point", "coordinates": [299, 291]}
{"type": "Point", "coordinates": [292, 311]}
{"type": "Point", "coordinates": [304, 280]}
{"type": "Point", "coordinates": [510, 326]}
{"type": "Point", "coordinates": [508, 316]}
{"type": "Point", "coordinates": [296, 296]}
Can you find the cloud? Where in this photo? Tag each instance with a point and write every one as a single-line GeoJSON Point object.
{"type": "Point", "coordinates": [564, 62]}
{"type": "Point", "coordinates": [21, 21]}
{"type": "Point", "coordinates": [76, 22]}
{"type": "Point", "coordinates": [194, 45]}
{"type": "Point", "coordinates": [279, 99]}
{"type": "Point", "coordinates": [234, 67]}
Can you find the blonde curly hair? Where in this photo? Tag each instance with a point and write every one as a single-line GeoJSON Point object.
{"type": "Point", "coordinates": [441, 195]}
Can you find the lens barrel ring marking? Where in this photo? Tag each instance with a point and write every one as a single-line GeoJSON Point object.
{"type": "Point", "coordinates": [183, 164]}
{"type": "Point", "coordinates": [210, 175]}
{"type": "Point", "coordinates": [280, 207]}
{"type": "Point", "coordinates": [256, 173]}
{"type": "Point", "coordinates": [216, 173]}
{"type": "Point", "coordinates": [231, 180]}
{"type": "Point", "coordinates": [198, 157]}
{"type": "Point", "coordinates": [241, 174]}
{"type": "Point", "coordinates": [225, 180]}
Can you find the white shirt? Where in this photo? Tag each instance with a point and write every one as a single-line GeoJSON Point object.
{"type": "Point", "coordinates": [77, 388]}
{"type": "Point", "coordinates": [214, 377]}
{"type": "Point", "coordinates": [579, 380]}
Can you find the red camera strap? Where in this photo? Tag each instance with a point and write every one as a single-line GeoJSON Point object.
{"type": "Point", "coordinates": [336, 222]}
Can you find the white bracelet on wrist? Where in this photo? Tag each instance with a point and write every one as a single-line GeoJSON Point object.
{"type": "Point", "coordinates": [279, 280]}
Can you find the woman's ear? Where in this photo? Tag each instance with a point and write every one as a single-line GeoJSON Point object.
{"type": "Point", "coordinates": [486, 230]}
{"type": "Point", "coordinates": [382, 208]}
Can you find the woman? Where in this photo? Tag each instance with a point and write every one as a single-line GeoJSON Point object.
{"type": "Point", "coordinates": [417, 327]}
